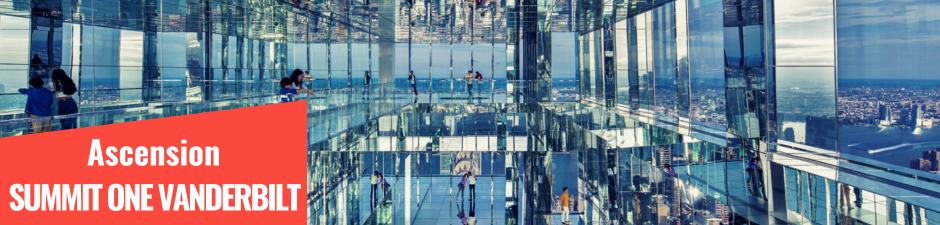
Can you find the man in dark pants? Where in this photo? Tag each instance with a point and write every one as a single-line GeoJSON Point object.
{"type": "Point", "coordinates": [412, 79]}
{"type": "Point", "coordinates": [472, 180]}
{"type": "Point", "coordinates": [374, 178]}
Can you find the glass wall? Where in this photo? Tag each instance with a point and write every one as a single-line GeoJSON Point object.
{"type": "Point", "coordinates": [888, 87]}
{"type": "Point", "coordinates": [706, 67]}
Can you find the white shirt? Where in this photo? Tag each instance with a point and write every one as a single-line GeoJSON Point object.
{"type": "Point", "coordinates": [472, 180]}
{"type": "Point", "coordinates": [59, 94]}
{"type": "Point", "coordinates": [374, 180]}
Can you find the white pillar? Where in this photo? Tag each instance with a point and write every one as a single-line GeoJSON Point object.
{"type": "Point", "coordinates": [408, 189]}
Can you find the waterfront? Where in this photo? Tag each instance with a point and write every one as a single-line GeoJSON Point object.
{"type": "Point", "coordinates": [893, 145]}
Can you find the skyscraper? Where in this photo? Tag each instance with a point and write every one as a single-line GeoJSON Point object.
{"type": "Point", "coordinates": [884, 114]}
{"type": "Point", "coordinates": [917, 115]}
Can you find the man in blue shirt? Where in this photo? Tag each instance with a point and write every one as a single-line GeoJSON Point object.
{"type": "Point", "coordinates": [38, 104]}
{"type": "Point", "coordinates": [286, 89]}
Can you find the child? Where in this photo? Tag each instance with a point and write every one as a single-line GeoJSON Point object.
{"type": "Point", "coordinates": [38, 104]}
{"type": "Point", "coordinates": [286, 89]}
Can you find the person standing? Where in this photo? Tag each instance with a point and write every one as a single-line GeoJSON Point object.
{"type": "Point", "coordinates": [368, 78]}
{"type": "Point", "coordinates": [469, 79]}
{"type": "Point", "coordinates": [64, 89]}
{"type": "Point", "coordinates": [753, 181]}
{"type": "Point", "coordinates": [479, 78]}
{"type": "Point", "coordinates": [461, 186]}
{"type": "Point", "coordinates": [375, 179]}
{"type": "Point", "coordinates": [38, 104]}
{"type": "Point", "coordinates": [412, 79]}
{"type": "Point", "coordinates": [564, 206]}
{"type": "Point", "coordinates": [472, 180]}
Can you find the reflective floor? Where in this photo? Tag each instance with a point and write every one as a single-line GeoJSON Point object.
{"type": "Point", "coordinates": [435, 202]}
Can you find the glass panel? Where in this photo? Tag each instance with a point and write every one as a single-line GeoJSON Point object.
{"type": "Point", "coordinates": [461, 60]}
{"type": "Point", "coordinates": [440, 61]}
{"type": "Point", "coordinates": [888, 87]}
{"type": "Point", "coordinates": [804, 32]}
{"type": "Point", "coordinates": [806, 106]}
{"type": "Point", "coordinates": [706, 66]}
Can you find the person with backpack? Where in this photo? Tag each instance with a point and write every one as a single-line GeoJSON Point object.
{"type": "Point", "coordinates": [64, 89]}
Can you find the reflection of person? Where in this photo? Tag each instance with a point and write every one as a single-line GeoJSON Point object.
{"type": "Point", "coordinates": [461, 214]}
{"type": "Point", "coordinates": [412, 79]}
{"type": "Point", "coordinates": [64, 89]}
{"type": "Point", "coordinates": [473, 219]}
{"type": "Point", "coordinates": [844, 197]}
{"type": "Point", "coordinates": [472, 180]}
{"type": "Point", "coordinates": [669, 170]}
{"type": "Point", "coordinates": [38, 104]}
{"type": "Point", "coordinates": [37, 65]}
{"type": "Point", "coordinates": [564, 206]}
{"type": "Point", "coordinates": [307, 75]}
{"type": "Point", "coordinates": [368, 78]}
{"type": "Point", "coordinates": [755, 183]}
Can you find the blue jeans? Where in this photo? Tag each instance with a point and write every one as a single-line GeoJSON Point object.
{"type": "Point", "coordinates": [68, 106]}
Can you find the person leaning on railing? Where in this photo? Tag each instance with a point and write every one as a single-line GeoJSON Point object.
{"type": "Point", "coordinates": [38, 104]}
{"type": "Point", "coordinates": [288, 92]}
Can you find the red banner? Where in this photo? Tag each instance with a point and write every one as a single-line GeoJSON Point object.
{"type": "Point", "coordinates": [241, 166]}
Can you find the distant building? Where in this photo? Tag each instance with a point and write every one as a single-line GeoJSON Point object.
{"type": "Point", "coordinates": [821, 131]}
{"type": "Point", "coordinates": [905, 117]}
{"type": "Point", "coordinates": [884, 114]}
{"type": "Point", "coordinates": [921, 164]}
{"type": "Point", "coordinates": [932, 156]}
{"type": "Point", "coordinates": [917, 115]}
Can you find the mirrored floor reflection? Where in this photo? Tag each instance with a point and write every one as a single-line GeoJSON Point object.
{"type": "Point", "coordinates": [435, 202]}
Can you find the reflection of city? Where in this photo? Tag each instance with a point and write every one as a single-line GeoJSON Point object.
{"type": "Point", "coordinates": [575, 205]}
{"type": "Point", "coordinates": [930, 161]}
{"type": "Point", "coordinates": [887, 105]}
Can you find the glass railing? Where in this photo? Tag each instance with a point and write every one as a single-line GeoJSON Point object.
{"type": "Point", "coordinates": [490, 91]}
{"type": "Point", "coordinates": [342, 107]}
